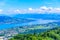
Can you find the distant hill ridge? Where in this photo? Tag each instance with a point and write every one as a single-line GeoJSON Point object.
{"type": "Point", "coordinates": [9, 20]}
{"type": "Point", "coordinates": [39, 16]}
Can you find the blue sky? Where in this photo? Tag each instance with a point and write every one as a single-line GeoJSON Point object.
{"type": "Point", "coordinates": [27, 6]}
{"type": "Point", "coordinates": [29, 3]}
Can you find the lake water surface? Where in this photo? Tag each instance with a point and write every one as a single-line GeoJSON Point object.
{"type": "Point", "coordinates": [38, 21]}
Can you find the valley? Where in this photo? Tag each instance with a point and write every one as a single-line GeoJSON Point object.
{"type": "Point", "coordinates": [27, 24]}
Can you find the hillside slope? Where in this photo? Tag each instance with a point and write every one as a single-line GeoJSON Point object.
{"type": "Point", "coordinates": [9, 20]}
{"type": "Point", "coordinates": [48, 35]}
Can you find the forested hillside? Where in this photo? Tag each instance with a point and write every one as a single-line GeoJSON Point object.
{"type": "Point", "coordinates": [53, 34]}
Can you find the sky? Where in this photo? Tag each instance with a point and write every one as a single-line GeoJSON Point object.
{"type": "Point", "coordinates": [29, 6]}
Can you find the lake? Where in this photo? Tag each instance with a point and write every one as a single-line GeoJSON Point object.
{"type": "Point", "coordinates": [38, 21]}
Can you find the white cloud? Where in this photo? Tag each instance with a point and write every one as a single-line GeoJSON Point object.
{"type": "Point", "coordinates": [1, 10]}
{"type": "Point", "coordinates": [49, 9]}
{"type": "Point", "coordinates": [30, 9]}
{"type": "Point", "coordinates": [42, 9]}
{"type": "Point", "coordinates": [17, 11]}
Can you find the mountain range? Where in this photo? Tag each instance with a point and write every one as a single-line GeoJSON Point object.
{"type": "Point", "coordinates": [39, 16]}
{"type": "Point", "coordinates": [4, 19]}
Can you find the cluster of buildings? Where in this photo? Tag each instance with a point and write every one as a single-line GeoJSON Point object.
{"type": "Point", "coordinates": [3, 38]}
